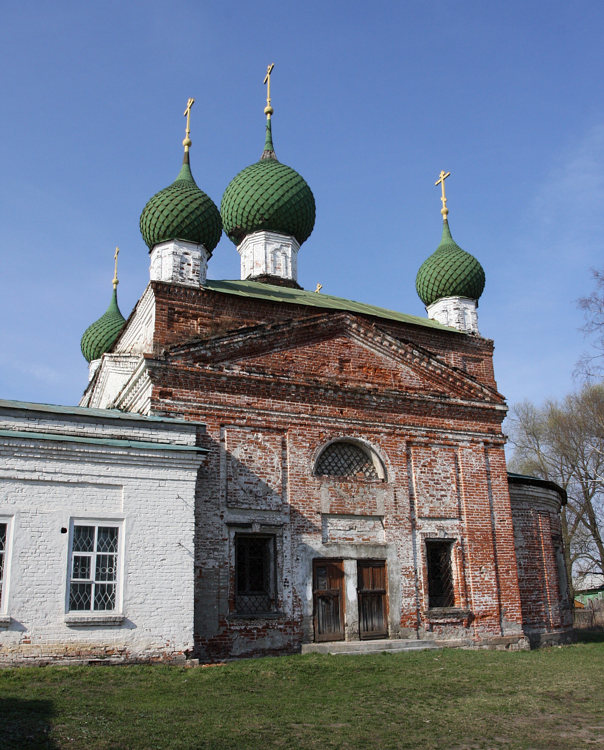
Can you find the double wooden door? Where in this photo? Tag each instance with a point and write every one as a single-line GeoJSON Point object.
{"type": "Point", "coordinates": [328, 595]}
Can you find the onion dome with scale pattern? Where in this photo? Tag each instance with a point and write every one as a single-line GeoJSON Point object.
{"type": "Point", "coordinates": [181, 212]}
{"type": "Point", "coordinates": [268, 196]}
{"type": "Point", "coordinates": [99, 337]}
{"type": "Point", "coordinates": [449, 272]}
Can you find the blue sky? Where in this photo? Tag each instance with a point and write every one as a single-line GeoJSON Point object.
{"type": "Point", "coordinates": [371, 101]}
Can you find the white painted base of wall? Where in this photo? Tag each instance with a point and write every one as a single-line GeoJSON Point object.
{"type": "Point", "coordinates": [457, 312]}
{"type": "Point", "coordinates": [179, 262]}
{"type": "Point", "coordinates": [269, 254]}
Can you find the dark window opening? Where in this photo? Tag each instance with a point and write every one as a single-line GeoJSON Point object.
{"type": "Point", "coordinates": [561, 568]}
{"type": "Point", "coordinates": [254, 574]}
{"type": "Point", "coordinates": [3, 527]}
{"type": "Point", "coordinates": [441, 592]}
{"type": "Point", "coordinates": [344, 459]}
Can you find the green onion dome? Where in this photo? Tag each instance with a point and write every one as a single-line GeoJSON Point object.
{"type": "Point", "coordinates": [181, 212]}
{"type": "Point", "coordinates": [99, 337]}
{"type": "Point", "coordinates": [449, 272]}
{"type": "Point", "coordinates": [269, 196]}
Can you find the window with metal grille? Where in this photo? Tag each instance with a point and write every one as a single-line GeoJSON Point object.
{"type": "Point", "coordinates": [344, 459]}
{"type": "Point", "coordinates": [94, 559]}
{"type": "Point", "coordinates": [254, 574]}
{"type": "Point", "coordinates": [3, 532]}
{"type": "Point", "coordinates": [441, 592]}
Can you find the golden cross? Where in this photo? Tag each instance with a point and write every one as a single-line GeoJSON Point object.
{"type": "Point", "coordinates": [115, 281]}
{"type": "Point", "coordinates": [319, 287]}
{"type": "Point", "coordinates": [187, 113]}
{"type": "Point", "coordinates": [268, 110]}
{"type": "Point", "coordinates": [441, 181]}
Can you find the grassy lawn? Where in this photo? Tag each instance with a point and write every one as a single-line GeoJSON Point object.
{"type": "Point", "coordinates": [553, 698]}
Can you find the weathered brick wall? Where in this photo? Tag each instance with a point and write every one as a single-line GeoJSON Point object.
{"type": "Point", "coordinates": [274, 383]}
{"type": "Point", "coordinates": [546, 607]}
{"type": "Point", "coordinates": [184, 312]}
{"type": "Point", "coordinates": [46, 484]}
{"type": "Point", "coordinates": [271, 399]}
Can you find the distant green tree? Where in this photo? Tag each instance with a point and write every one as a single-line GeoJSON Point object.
{"type": "Point", "coordinates": [564, 442]}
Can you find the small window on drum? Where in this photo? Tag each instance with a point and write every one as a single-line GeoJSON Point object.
{"type": "Point", "coordinates": [347, 459]}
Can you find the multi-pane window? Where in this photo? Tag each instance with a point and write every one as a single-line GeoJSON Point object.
{"type": "Point", "coordinates": [344, 459]}
{"type": "Point", "coordinates": [94, 558]}
{"type": "Point", "coordinates": [254, 574]}
{"type": "Point", "coordinates": [441, 592]}
{"type": "Point", "coordinates": [3, 534]}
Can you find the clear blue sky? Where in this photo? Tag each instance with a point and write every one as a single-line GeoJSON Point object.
{"type": "Point", "coordinates": [371, 101]}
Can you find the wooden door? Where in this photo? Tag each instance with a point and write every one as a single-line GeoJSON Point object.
{"type": "Point", "coordinates": [328, 596]}
{"type": "Point", "coordinates": [371, 590]}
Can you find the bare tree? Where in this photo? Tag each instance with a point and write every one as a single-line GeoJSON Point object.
{"type": "Point", "coordinates": [591, 364]}
{"type": "Point", "coordinates": [564, 442]}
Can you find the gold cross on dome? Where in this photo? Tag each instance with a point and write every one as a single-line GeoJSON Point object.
{"type": "Point", "coordinates": [187, 113]}
{"type": "Point", "coordinates": [115, 281]}
{"type": "Point", "coordinates": [441, 181]}
{"type": "Point", "coordinates": [268, 110]}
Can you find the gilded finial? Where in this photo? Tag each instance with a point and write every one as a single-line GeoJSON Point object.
{"type": "Point", "coordinates": [441, 181]}
{"type": "Point", "coordinates": [268, 110]}
{"type": "Point", "coordinates": [319, 287]}
{"type": "Point", "coordinates": [115, 281]}
{"type": "Point", "coordinates": [187, 113]}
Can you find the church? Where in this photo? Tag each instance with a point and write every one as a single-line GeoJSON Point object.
{"type": "Point", "coordinates": [255, 468]}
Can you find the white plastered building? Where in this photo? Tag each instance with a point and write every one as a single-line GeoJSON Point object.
{"type": "Point", "coordinates": [96, 533]}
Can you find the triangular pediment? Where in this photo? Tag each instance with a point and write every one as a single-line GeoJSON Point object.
{"type": "Point", "coordinates": [339, 350]}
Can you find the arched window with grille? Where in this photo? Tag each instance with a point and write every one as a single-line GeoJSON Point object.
{"type": "Point", "coordinates": [346, 458]}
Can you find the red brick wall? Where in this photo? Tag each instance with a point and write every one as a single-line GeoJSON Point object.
{"type": "Point", "coordinates": [186, 312]}
{"type": "Point", "coordinates": [271, 400]}
{"type": "Point", "coordinates": [543, 587]}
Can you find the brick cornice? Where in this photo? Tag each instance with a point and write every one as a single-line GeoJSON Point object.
{"type": "Point", "coordinates": [245, 388]}
{"type": "Point", "coordinates": [253, 341]}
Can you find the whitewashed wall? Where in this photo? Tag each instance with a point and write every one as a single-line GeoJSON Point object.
{"type": "Point", "coordinates": [52, 473]}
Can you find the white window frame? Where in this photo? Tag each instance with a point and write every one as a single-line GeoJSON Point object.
{"type": "Point", "coordinates": [6, 567]}
{"type": "Point", "coordinates": [94, 614]}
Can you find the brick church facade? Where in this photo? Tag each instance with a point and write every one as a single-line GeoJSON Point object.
{"type": "Point", "coordinates": [353, 483]}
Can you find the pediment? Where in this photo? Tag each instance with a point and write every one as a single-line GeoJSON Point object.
{"type": "Point", "coordinates": [337, 350]}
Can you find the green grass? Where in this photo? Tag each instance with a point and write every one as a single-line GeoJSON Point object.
{"type": "Point", "coordinates": [552, 698]}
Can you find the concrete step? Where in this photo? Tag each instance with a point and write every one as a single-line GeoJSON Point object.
{"type": "Point", "coordinates": [367, 647]}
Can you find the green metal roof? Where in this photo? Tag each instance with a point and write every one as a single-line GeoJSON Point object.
{"type": "Point", "coordinates": [449, 272]}
{"type": "Point", "coordinates": [100, 336]}
{"type": "Point", "coordinates": [269, 196]}
{"type": "Point", "coordinates": [85, 411]}
{"type": "Point", "coordinates": [181, 212]}
{"type": "Point", "coordinates": [115, 442]}
{"type": "Point", "coordinates": [281, 294]}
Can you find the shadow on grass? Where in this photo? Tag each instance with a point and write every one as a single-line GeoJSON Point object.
{"type": "Point", "coordinates": [25, 724]}
{"type": "Point", "coordinates": [595, 635]}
